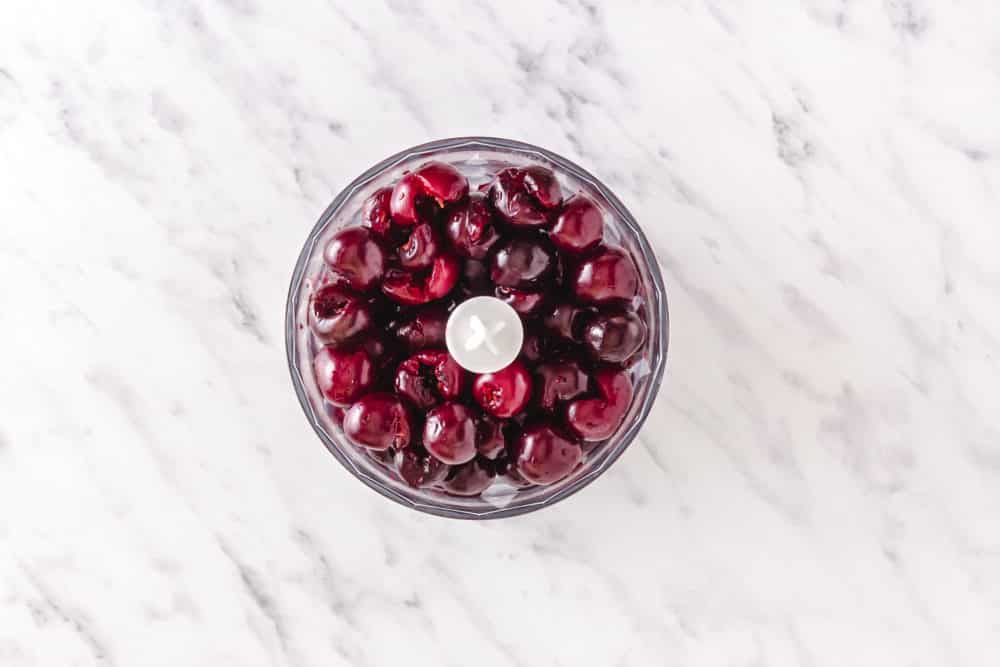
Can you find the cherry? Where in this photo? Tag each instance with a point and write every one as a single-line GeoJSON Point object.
{"type": "Point", "coordinates": [382, 352]}
{"type": "Point", "coordinates": [579, 226]}
{"type": "Point", "coordinates": [522, 196]}
{"type": "Point", "coordinates": [375, 213]}
{"type": "Point", "coordinates": [475, 280]}
{"type": "Point", "coordinates": [407, 204]}
{"type": "Point", "coordinates": [545, 455]}
{"type": "Point", "coordinates": [504, 393]}
{"type": "Point", "coordinates": [420, 249]}
{"type": "Point", "coordinates": [490, 440]}
{"type": "Point", "coordinates": [343, 373]}
{"type": "Point", "coordinates": [566, 320]}
{"type": "Point", "coordinates": [428, 378]}
{"type": "Point", "coordinates": [598, 418]}
{"type": "Point", "coordinates": [354, 255]}
{"type": "Point", "coordinates": [559, 381]}
{"type": "Point", "coordinates": [470, 228]}
{"type": "Point", "coordinates": [419, 469]}
{"type": "Point", "coordinates": [378, 421]}
{"type": "Point", "coordinates": [608, 277]}
{"type": "Point", "coordinates": [541, 183]}
{"type": "Point", "coordinates": [614, 337]}
{"type": "Point", "coordinates": [534, 348]}
{"type": "Point", "coordinates": [525, 303]}
{"type": "Point", "coordinates": [442, 182]}
{"type": "Point", "coordinates": [523, 263]}
{"type": "Point", "coordinates": [424, 329]}
{"type": "Point", "coordinates": [434, 182]}
{"type": "Point", "coordinates": [450, 433]}
{"type": "Point", "coordinates": [416, 288]}
{"type": "Point", "coordinates": [469, 479]}
{"type": "Point", "coordinates": [335, 315]}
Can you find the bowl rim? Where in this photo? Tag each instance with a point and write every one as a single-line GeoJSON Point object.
{"type": "Point", "coordinates": [659, 309]}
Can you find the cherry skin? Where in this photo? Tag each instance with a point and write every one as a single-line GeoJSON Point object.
{"type": "Point", "coordinates": [598, 418]}
{"type": "Point", "coordinates": [614, 337]}
{"type": "Point", "coordinates": [407, 205]}
{"type": "Point", "coordinates": [355, 256]}
{"type": "Point", "coordinates": [566, 321]}
{"type": "Point", "coordinates": [525, 304]}
{"type": "Point", "coordinates": [424, 329]}
{"type": "Point", "coordinates": [419, 469]}
{"type": "Point", "coordinates": [504, 393]}
{"type": "Point", "coordinates": [557, 382]}
{"type": "Point", "coordinates": [420, 249]}
{"type": "Point", "coordinates": [343, 374]}
{"type": "Point", "coordinates": [470, 228]}
{"type": "Point", "coordinates": [378, 421]}
{"type": "Point", "coordinates": [415, 194]}
{"type": "Point", "coordinates": [541, 184]}
{"type": "Point", "coordinates": [490, 439]}
{"type": "Point", "coordinates": [375, 213]}
{"type": "Point", "coordinates": [579, 227]}
{"type": "Point", "coordinates": [475, 279]}
{"type": "Point", "coordinates": [523, 197]}
{"type": "Point", "coordinates": [545, 455]}
{"type": "Point", "coordinates": [469, 479]}
{"type": "Point", "coordinates": [450, 433]}
{"type": "Point", "coordinates": [429, 377]}
{"type": "Point", "coordinates": [442, 182]}
{"type": "Point", "coordinates": [335, 315]}
{"type": "Point", "coordinates": [415, 288]}
{"type": "Point", "coordinates": [523, 263]}
{"type": "Point", "coordinates": [607, 277]}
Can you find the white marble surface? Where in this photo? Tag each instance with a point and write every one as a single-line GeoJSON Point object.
{"type": "Point", "coordinates": [819, 484]}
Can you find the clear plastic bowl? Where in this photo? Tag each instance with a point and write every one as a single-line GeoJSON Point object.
{"type": "Point", "coordinates": [477, 158]}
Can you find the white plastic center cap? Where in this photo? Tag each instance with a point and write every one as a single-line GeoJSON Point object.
{"type": "Point", "coordinates": [484, 334]}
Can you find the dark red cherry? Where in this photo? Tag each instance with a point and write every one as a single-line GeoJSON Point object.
{"type": "Point", "coordinates": [490, 440]}
{"type": "Point", "coordinates": [470, 227]}
{"type": "Point", "coordinates": [419, 469]}
{"type": "Point", "coordinates": [614, 337]}
{"type": "Point", "coordinates": [442, 182]}
{"type": "Point", "coordinates": [382, 351]}
{"type": "Point", "coordinates": [375, 214]}
{"type": "Point", "coordinates": [525, 303]}
{"type": "Point", "coordinates": [523, 263]}
{"type": "Point", "coordinates": [475, 279]}
{"type": "Point", "coordinates": [450, 433]}
{"type": "Point", "coordinates": [343, 374]}
{"type": "Point", "coordinates": [523, 197]}
{"type": "Point", "coordinates": [567, 321]}
{"type": "Point", "coordinates": [609, 276]}
{"type": "Point", "coordinates": [544, 454]}
{"type": "Point", "coordinates": [541, 184]}
{"type": "Point", "coordinates": [579, 227]}
{"type": "Point", "coordinates": [378, 421]}
{"type": "Point", "coordinates": [598, 418]}
{"type": "Point", "coordinates": [355, 256]}
{"type": "Point", "coordinates": [534, 348]}
{"type": "Point", "coordinates": [504, 393]}
{"type": "Point", "coordinates": [469, 479]}
{"type": "Point", "coordinates": [557, 382]}
{"type": "Point", "coordinates": [336, 315]}
{"type": "Point", "coordinates": [429, 377]}
{"type": "Point", "coordinates": [415, 288]}
{"type": "Point", "coordinates": [423, 329]}
{"type": "Point", "coordinates": [415, 195]}
{"type": "Point", "coordinates": [408, 206]}
{"type": "Point", "coordinates": [420, 249]}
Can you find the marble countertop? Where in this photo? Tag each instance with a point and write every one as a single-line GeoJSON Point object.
{"type": "Point", "coordinates": [818, 485]}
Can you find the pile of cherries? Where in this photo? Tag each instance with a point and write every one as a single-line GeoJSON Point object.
{"type": "Point", "coordinates": [381, 305]}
